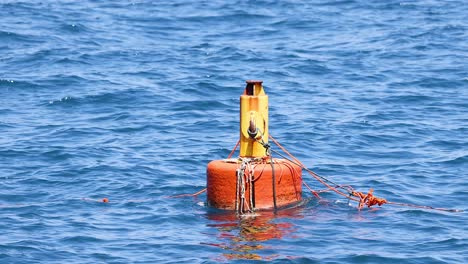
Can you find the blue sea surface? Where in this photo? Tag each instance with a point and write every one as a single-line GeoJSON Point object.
{"type": "Point", "coordinates": [130, 100]}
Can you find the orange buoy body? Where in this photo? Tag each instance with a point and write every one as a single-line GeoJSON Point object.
{"type": "Point", "coordinates": [253, 188]}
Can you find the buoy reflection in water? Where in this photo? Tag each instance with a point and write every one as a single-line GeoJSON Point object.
{"type": "Point", "coordinates": [247, 236]}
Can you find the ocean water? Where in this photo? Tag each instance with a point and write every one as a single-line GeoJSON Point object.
{"type": "Point", "coordinates": [129, 101]}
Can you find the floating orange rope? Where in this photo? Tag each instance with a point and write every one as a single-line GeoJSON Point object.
{"type": "Point", "coordinates": [312, 191]}
{"type": "Point", "coordinates": [313, 174]}
{"type": "Point", "coordinates": [426, 207]}
{"type": "Point", "coordinates": [368, 199]}
{"type": "Point", "coordinates": [363, 199]}
{"type": "Point", "coordinates": [188, 194]}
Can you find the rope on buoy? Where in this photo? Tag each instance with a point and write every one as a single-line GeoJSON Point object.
{"type": "Point", "coordinates": [234, 149]}
{"type": "Point", "coordinates": [363, 199]}
{"type": "Point", "coordinates": [188, 194]}
{"type": "Point", "coordinates": [244, 184]}
{"type": "Point", "coordinates": [273, 175]}
{"type": "Point", "coordinates": [204, 190]}
{"type": "Point", "coordinates": [273, 180]}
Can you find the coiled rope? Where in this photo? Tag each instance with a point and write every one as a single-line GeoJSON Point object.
{"type": "Point", "coordinates": [245, 178]}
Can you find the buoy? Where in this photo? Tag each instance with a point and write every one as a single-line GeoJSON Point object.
{"type": "Point", "coordinates": [254, 180]}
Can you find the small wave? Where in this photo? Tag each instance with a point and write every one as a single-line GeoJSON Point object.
{"type": "Point", "coordinates": [462, 160]}
{"type": "Point", "coordinates": [71, 61]}
{"type": "Point", "coordinates": [410, 99]}
{"type": "Point", "coordinates": [114, 98]}
{"type": "Point", "coordinates": [385, 258]}
{"type": "Point", "coordinates": [58, 155]}
{"type": "Point", "coordinates": [132, 129]}
{"type": "Point", "coordinates": [66, 99]}
{"type": "Point", "coordinates": [444, 244]}
{"type": "Point", "coordinates": [454, 160]}
{"type": "Point", "coordinates": [58, 82]}
{"type": "Point", "coordinates": [311, 67]}
{"type": "Point", "coordinates": [81, 239]}
{"type": "Point", "coordinates": [16, 84]}
{"type": "Point", "coordinates": [199, 105]}
{"type": "Point", "coordinates": [448, 144]}
{"type": "Point", "coordinates": [12, 153]}
{"type": "Point", "coordinates": [76, 28]}
{"type": "Point", "coordinates": [239, 15]}
{"type": "Point", "coordinates": [6, 82]}
{"type": "Point", "coordinates": [5, 35]}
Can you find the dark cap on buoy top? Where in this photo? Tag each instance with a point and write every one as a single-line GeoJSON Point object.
{"type": "Point", "coordinates": [249, 89]}
{"type": "Point", "coordinates": [254, 81]}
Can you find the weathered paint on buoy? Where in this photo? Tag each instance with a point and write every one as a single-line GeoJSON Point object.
{"type": "Point", "coordinates": [222, 182]}
{"type": "Point", "coordinates": [254, 180]}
